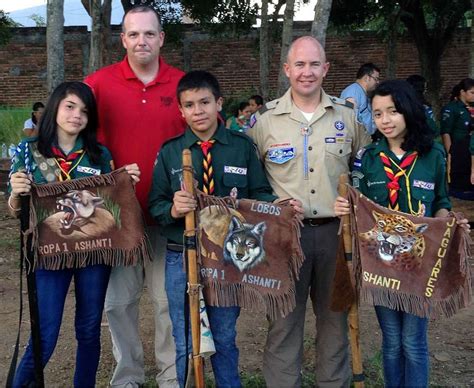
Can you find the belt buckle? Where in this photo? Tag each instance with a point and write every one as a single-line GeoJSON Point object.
{"type": "Point", "coordinates": [313, 222]}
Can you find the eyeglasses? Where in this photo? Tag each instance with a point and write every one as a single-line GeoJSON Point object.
{"type": "Point", "coordinates": [376, 79]}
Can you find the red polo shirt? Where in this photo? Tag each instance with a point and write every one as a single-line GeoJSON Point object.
{"type": "Point", "coordinates": [135, 119]}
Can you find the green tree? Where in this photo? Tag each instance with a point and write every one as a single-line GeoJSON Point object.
{"type": "Point", "coordinates": [38, 19]}
{"type": "Point", "coordinates": [229, 16]}
{"type": "Point", "coordinates": [430, 23]}
{"type": "Point", "coordinates": [5, 24]}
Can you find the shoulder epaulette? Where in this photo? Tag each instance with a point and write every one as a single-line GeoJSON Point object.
{"type": "Point", "coordinates": [341, 101]}
{"type": "Point", "coordinates": [268, 106]}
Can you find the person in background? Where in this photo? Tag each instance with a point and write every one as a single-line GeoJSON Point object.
{"type": "Point", "coordinates": [457, 125]}
{"type": "Point", "coordinates": [67, 131]}
{"type": "Point", "coordinates": [138, 112]}
{"type": "Point", "coordinates": [255, 102]}
{"type": "Point", "coordinates": [418, 83]}
{"type": "Point", "coordinates": [240, 121]}
{"type": "Point", "coordinates": [406, 145]}
{"type": "Point", "coordinates": [367, 78]}
{"type": "Point", "coordinates": [30, 128]}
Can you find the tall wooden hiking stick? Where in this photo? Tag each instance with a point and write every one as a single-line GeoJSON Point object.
{"type": "Point", "coordinates": [357, 369]}
{"type": "Point", "coordinates": [193, 281]}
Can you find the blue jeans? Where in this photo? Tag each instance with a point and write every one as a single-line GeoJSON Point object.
{"type": "Point", "coordinates": [225, 362]}
{"type": "Point", "coordinates": [52, 287]}
{"type": "Point", "coordinates": [405, 348]}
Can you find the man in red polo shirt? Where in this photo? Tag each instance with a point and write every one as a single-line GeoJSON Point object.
{"type": "Point", "coordinates": [138, 111]}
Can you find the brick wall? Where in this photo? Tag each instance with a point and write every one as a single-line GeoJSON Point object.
{"type": "Point", "coordinates": [234, 61]}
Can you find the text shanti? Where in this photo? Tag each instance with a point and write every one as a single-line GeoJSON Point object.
{"type": "Point", "coordinates": [382, 281]}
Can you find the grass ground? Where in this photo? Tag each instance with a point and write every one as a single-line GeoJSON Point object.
{"type": "Point", "coordinates": [11, 124]}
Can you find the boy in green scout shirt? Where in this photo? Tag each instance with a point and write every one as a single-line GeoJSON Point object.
{"type": "Point", "coordinates": [223, 161]}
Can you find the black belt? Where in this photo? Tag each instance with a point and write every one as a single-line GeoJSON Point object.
{"type": "Point", "coordinates": [174, 247]}
{"type": "Point", "coordinates": [318, 221]}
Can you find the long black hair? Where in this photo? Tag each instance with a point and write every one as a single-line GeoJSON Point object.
{"type": "Point", "coordinates": [47, 131]}
{"type": "Point", "coordinates": [419, 136]}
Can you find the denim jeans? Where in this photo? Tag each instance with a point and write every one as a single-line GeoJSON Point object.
{"type": "Point", "coordinates": [405, 348]}
{"type": "Point", "coordinates": [52, 287]}
{"type": "Point", "coordinates": [222, 320]}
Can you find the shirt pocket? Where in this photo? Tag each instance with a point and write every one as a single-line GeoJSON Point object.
{"type": "Point", "coordinates": [234, 180]}
{"type": "Point", "coordinates": [337, 158]}
{"type": "Point", "coordinates": [378, 195]}
{"type": "Point", "coordinates": [338, 150]}
{"type": "Point", "coordinates": [424, 196]}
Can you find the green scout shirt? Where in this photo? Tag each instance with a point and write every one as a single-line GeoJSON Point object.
{"type": "Point", "coordinates": [427, 179]}
{"type": "Point", "coordinates": [471, 144]}
{"type": "Point", "coordinates": [456, 120]}
{"type": "Point", "coordinates": [235, 164]}
{"type": "Point", "coordinates": [24, 160]}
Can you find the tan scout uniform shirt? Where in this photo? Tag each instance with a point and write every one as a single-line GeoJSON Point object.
{"type": "Point", "coordinates": [303, 160]}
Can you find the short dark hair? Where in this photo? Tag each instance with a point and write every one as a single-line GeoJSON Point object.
{"type": "Point", "coordinates": [257, 98]}
{"type": "Point", "coordinates": [243, 105]}
{"type": "Point", "coordinates": [466, 84]}
{"type": "Point", "coordinates": [47, 130]}
{"type": "Point", "coordinates": [36, 106]}
{"type": "Point", "coordinates": [419, 136]}
{"type": "Point", "coordinates": [418, 83]}
{"type": "Point", "coordinates": [455, 92]}
{"type": "Point", "coordinates": [140, 9]}
{"type": "Point", "coordinates": [198, 79]}
{"type": "Point", "coordinates": [367, 69]}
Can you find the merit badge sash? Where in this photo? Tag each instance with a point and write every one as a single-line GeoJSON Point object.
{"type": "Point", "coordinates": [250, 254]}
{"type": "Point", "coordinates": [415, 264]}
{"type": "Point", "coordinates": [87, 221]}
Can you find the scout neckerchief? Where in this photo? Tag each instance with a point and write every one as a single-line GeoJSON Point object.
{"type": "Point", "coordinates": [67, 163]}
{"type": "Point", "coordinates": [208, 173]}
{"type": "Point", "coordinates": [393, 186]}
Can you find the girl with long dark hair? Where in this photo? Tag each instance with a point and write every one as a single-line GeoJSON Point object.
{"type": "Point", "coordinates": [406, 149]}
{"type": "Point", "coordinates": [65, 149]}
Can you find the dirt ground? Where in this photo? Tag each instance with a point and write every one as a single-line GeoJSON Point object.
{"type": "Point", "coordinates": [451, 340]}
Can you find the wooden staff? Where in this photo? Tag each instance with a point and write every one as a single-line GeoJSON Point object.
{"type": "Point", "coordinates": [193, 281]}
{"type": "Point", "coordinates": [358, 376]}
{"type": "Point", "coordinates": [26, 261]}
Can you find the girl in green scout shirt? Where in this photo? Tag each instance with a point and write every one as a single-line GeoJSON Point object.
{"type": "Point", "coordinates": [457, 124]}
{"type": "Point", "coordinates": [66, 148]}
{"type": "Point", "coordinates": [405, 171]}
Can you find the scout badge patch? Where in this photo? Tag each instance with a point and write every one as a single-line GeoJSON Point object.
{"type": "Point", "coordinates": [250, 253]}
{"type": "Point", "coordinates": [87, 221]}
{"type": "Point", "coordinates": [409, 263]}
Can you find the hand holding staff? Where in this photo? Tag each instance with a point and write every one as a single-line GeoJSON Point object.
{"type": "Point", "coordinates": [357, 369]}
{"type": "Point", "coordinates": [193, 281]}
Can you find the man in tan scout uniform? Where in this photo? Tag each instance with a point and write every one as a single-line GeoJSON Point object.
{"type": "Point", "coordinates": [306, 140]}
